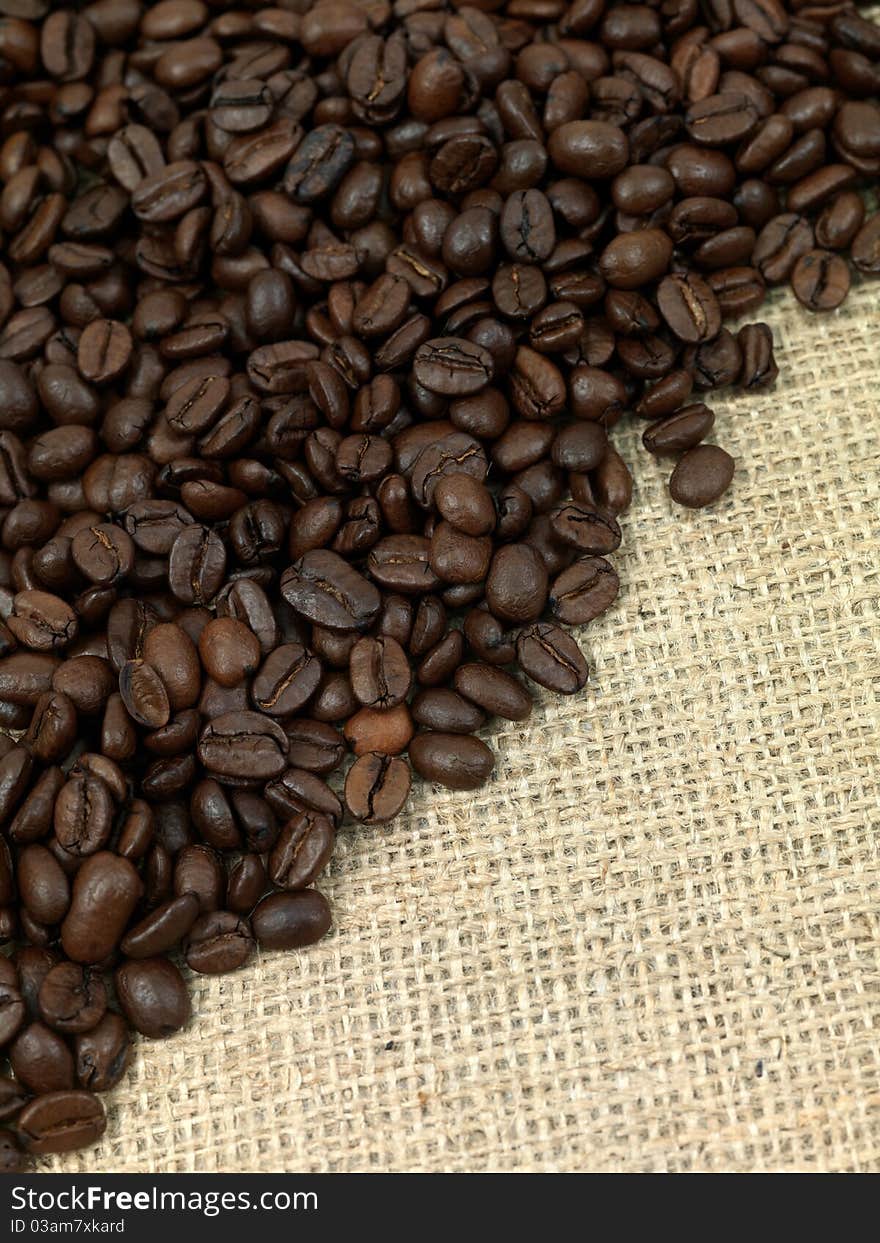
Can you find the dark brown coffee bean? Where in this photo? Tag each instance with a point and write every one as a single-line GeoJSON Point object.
{"type": "Point", "coordinates": [586, 528]}
{"type": "Point", "coordinates": [104, 351]}
{"type": "Point", "coordinates": [106, 889]}
{"type": "Point", "coordinates": [60, 1121]}
{"type": "Point", "coordinates": [820, 280]}
{"type": "Point", "coordinates": [163, 929]}
{"type": "Point", "coordinates": [196, 565]}
{"type": "Point", "coordinates": [702, 476]}
{"type": "Point", "coordinates": [218, 942]}
{"type": "Point", "coordinates": [284, 921]}
{"type": "Point", "coordinates": [454, 760]}
{"type": "Point", "coordinates": [680, 431]}
{"type": "Point", "coordinates": [243, 747]}
{"type": "Point", "coordinates": [498, 693]}
{"type": "Point", "coordinates": [782, 241]}
{"type": "Point", "coordinates": [286, 681]}
{"type": "Point", "coordinates": [689, 307]}
{"type": "Point", "coordinates": [634, 259]}
{"type": "Point", "coordinates": [42, 883]}
{"type": "Point", "coordinates": [72, 998]}
{"type": "Point", "coordinates": [325, 590]}
{"type": "Point", "coordinates": [453, 366]}
{"type": "Point", "coordinates": [144, 695]}
{"type": "Point", "coordinates": [102, 1054]}
{"type": "Point", "coordinates": [376, 787]}
{"type": "Point", "coordinates": [516, 588]}
{"type": "Point", "coordinates": [41, 1058]}
{"type": "Point", "coordinates": [552, 658]}
{"type": "Point", "coordinates": [759, 368]}
{"type": "Point", "coordinates": [153, 996]}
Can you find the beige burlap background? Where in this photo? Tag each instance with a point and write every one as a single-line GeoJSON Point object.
{"type": "Point", "coordinates": [653, 941]}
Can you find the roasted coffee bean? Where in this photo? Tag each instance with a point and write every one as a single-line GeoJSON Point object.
{"type": "Point", "coordinates": [496, 692]}
{"type": "Point", "coordinates": [102, 1054]}
{"type": "Point", "coordinates": [689, 307]}
{"type": "Point", "coordinates": [106, 889]}
{"type": "Point", "coordinates": [702, 476]}
{"type": "Point", "coordinates": [144, 695]}
{"type": "Point", "coordinates": [380, 672]}
{"type": "Point", "coordinates": [840, 221]}
{"type": "Point", "coordinates": [759, 368]}
{"type": "Point", "coordinates": [376, 787]}
{"type": "Point", "coordinates": [153, 996]}
{"type": "Point", "coordinates": [452, 366]}
{"type": "Point", "coordinates": [455, 760]}
{"type": "Point", "coordinates": [386, 731]}
{"type": "Point", "coordinates": [302, 851]}
{"type": "Point", "coordinates": [551, 657]}
{"type": "Point", "coordinates": [163, 929]}
{"type": "Point", "coordinates": [820, 280]}
{"type": "Point", "coordinates": [782, 241]}
{"type": "Point", "coordinates": [680, 431]}
{"type": "Point", "coordinates": [286, 680]}
{"type": "Point", "coordinates": [585, 527]}
{"type": "Point", "coordinates": [243, 748]}
{"type": "Point", "coordinates": [866, 246]}
{"type": "Point", "coordinates": [283, 921]}
{"type": "Point", "coordinates": [41, 1058]}
{"type": "Point", "coordinates": [72, 999]}
{"type": "Point", "coordinates": [446, 711]}
{"type": "Point", "coordinates": [60, 1121]}
{"type": "Point", "coordinates": [43, 886]}
{"type": "Point", "coordinates": [326, 591]}
{"type": "Point", "coordinates": [218, 942]}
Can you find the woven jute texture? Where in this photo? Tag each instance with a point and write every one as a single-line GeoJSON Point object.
{"type": "Point", "coordinates": [653, 941]}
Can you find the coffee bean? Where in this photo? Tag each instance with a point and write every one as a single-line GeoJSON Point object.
{"type": "Point", "coordinates": [243, 747]}
{"type": "Point", "coordinates": [286, 680]}
{"type": "Point", "coordinates": [40, 1058]}
{"type": "Point", "coordinates": [106, 889]}
{"type": "Point", "coordinates": [866, 246]}
{"type": "Point", "coordinates": [586, 527]}
{"type": "Point", "coordinates": [516, 589]}
{"type": "Point", "coordinates": [144, 695]}
{"type": "Point", "coordinates": [496, 692]}
{"type": "Point", "coordinates": [72, 999]}
{"type": "Point", "coordinates": [153, 996]}
{"type": "Point", "coordinates": [162, 929]}
{"type": "Point", "coordinates": [376, 787]}
{"type": "Point", "coordinates": [454, 760]}
{"type": "Point", "coordinates": [60, 1121]}
{"type": "Point", "coordinates": [283, 921]}
{"type": "Point", "coordinates": [102, 1054]}
{"type": "Point", "coordinates": [681, 431]}
{"type": "Point", "coordinates": [104, 351]}
{"type": "Point", "coordinates": [702, 476]}
{"type": "Point", "coordinates": [820, 280]}
{"type": "Point", "coordinates": [452, 366]}
{"type": "Point", "coordinates": [446, 711]}
{"type": "Point", "coordinates": [325, 590]}
{"type": "Point", "coordinates": [689, 307]}
{"type": "Point", "coordinates": [552, 658]}
{"type": "Point", "coordinates": [219, 942]}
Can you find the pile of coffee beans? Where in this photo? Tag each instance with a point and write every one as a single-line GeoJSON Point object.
{"type": "Point", "coordinates": [314, 322]}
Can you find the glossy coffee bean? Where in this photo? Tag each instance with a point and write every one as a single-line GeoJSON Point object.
{"type": "Point", "coordinates": [702, 476]}
{"type": "Point", "coordinates": [153, 996]}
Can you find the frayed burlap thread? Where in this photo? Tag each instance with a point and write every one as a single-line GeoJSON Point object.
{"type": "Point", "coordinates": [652, 942]}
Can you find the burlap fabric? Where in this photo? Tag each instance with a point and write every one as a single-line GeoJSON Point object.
{"type": "Point", "coordinates": [653, 941]}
